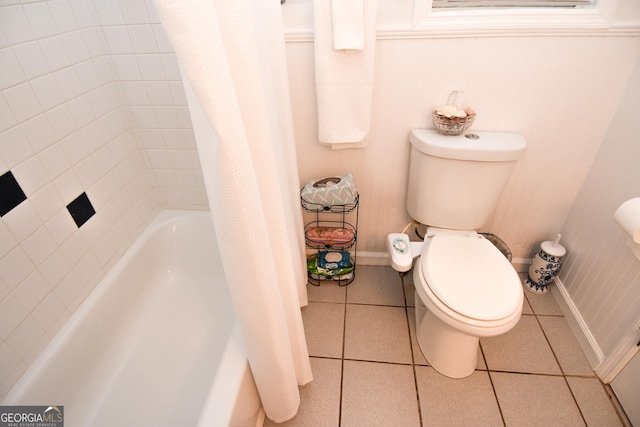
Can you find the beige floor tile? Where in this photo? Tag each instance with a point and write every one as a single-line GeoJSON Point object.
{"type": "Point", "coordinates": [522, 349]}
{"type": "Point", "coordinates": [378, 394]}
{"type": "Point", "coordinates": [535, 400]}
{"type": "Point", "coordinates": [328, 291]}
{"type": "Point", "coordinates": [461, 402]}
{"type": "Point", "coordinates": [544, 304]}
{"type": "Point", "coordinates": [377, 333]}
{"type": "Point", "coordinates": [375, 284]}
{"type": "Point", "coordinates": [320, 399]}
{"type": "Point", "coordinates": [565, 346]}
{"type": "Point", "coordinates": [323, 326]}
{"type": "Point", "coordinates": [594, 402]}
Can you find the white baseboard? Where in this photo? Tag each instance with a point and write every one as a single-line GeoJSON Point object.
{"type": "Point", "coordinates": [373, 258]}
{"type": "Point", "coordinates": [578, 325]}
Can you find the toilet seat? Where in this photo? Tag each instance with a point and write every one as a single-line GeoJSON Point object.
{"type": "Point", "coordinates": [471, 277]}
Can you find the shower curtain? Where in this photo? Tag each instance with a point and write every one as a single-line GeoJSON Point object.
{"type": "Point", "coordinates": [232, 58]}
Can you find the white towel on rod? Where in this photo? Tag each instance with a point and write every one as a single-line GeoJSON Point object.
{"type": "Point", "coordinates": [344, 79]}
{"type": "Point", "coordinates": [347, 19]}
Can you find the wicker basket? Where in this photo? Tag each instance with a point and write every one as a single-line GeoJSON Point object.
{"type": "Point", "coordinates": [452, 125]}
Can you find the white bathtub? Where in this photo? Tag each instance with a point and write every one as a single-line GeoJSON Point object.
{"type": "Point", "coordinates": [156, 342]}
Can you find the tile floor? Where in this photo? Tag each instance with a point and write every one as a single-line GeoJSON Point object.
{"type": "Point", "coordinates": [369, 371]}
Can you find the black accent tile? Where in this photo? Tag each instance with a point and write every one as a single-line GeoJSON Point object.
{"type": "Point", "coordinates": [81, 209]}
{"type": "Point", "coordinates": [11, 195]}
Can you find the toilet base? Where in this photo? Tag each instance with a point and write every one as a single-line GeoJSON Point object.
{"type": "Point", "coordinates": [449, 351]}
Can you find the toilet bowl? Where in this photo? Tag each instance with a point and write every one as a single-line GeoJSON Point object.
{"type": "Point", "coordinates": [465, 289]}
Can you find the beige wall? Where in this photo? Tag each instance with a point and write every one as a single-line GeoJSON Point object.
{"type": "Point", "coordinates": [559, 92]}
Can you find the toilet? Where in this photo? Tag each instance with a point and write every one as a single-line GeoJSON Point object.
{"type": "Point", "coordinates": [466, 288]}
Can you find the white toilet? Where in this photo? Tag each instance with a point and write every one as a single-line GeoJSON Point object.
{"type": "Point", "coordinates": [465, 287]}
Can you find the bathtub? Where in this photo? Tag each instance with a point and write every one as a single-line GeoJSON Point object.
{"type": "Point", "coordinates": [154, 344]}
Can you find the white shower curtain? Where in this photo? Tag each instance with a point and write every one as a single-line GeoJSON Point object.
{"type": "Point", "coordinates": [231, 53]}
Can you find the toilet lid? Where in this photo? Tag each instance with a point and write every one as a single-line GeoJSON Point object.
{"type": "Point", "coordinates": [471, 276]}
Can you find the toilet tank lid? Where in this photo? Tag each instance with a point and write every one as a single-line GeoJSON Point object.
{"type": "Point", "coordinates": [488, 147]}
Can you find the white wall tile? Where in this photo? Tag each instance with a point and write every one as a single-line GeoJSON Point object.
{"type": "Point", "coordinates": [68, 186]}
{"type": "Point", "coordinates": [48, 311]}
{"type": "Point", "coordinates": [167, 117]}
{"type": "Point", "coordinates": [177, 92]}
{"type": "Point", "coordinates": [40, 19]}
{"type": "Point", "coordinates": [54, 161]}
{"type": "Point", "coordinates": [7, 241]}
{"type": "Point", "coordinates": [68, 289]}
{"type": "Point", "coordinates": [61, 121]}
{"type": "Point", "coordinates": [74, 249]}
{"type": "Point", "coordinates": [22, 220]}
{"type": "Point", "coordinates": [134, 11]}
{"type": "Point", "coordinates": [87, 171]}
{"type": "Point", "coordinates": [142, 39]}
{"type": "Point", "coordinates": [161, 39]}
{"type": "Point", "coordinates": [170, 66]}
{"type": "Point", "coordinates": [14, 147]}
{"type": "Point", "coordinates": [14, 267]}
{"type": "Point", "coordinates": [31, 290]}
{"type": "Point", "coordinates": [55, 52]}
{"type": "Point", "coordinates": [15, 25]}
{"type": "Point", "coordinates": [75, 46]}
{"type": "Point", "coordinates": [144, 117]}
{"type": "Point", "coordinates": [7, 119]}
{"type": "Point", "coordinates": [25, 337]}
{"type": "Point", "coordinates": [81, 110]}
{"type": "Point", "coordinates": [12, 73]}
{"type": "Point", "coordinates": [109, 12]}
{"type": "Point", "coordinates": [63, 15]}
{"type": "Point", "coordinates": [68, 80]}
{"type": "Point", "coordinates": [159, 93]}
{"type": "Point", "coordinates": [22, 101]}
{"type": "Point", "coordinates": [136, 93]}
{"type": "Point", "coordinates": [151, 67]}
{"type": "Point", "coordinates": [95, 41]}
{"type": "Point", "coordinates": [118, 40]}
{"type": "Point", "coordinates": [39, 132]}
{"type": "Point", "coordinates": [126, 67]}
{"type": "Point", "coordinates": [39, 245]}
{"type": "Point", "coordinates": [46, 202]}
{"type": "Point", "coordinates": [32, 59]}
{"type": "Point", "coordinates": [47, 91]}
{"type": "Point", "coordinates": [61, 224]}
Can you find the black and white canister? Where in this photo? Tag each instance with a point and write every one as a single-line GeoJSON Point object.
{"type": "Point", "coordinates": [545, 266]}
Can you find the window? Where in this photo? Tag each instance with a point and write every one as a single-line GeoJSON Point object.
{"type": "Point", "coordinates": [517, 17]}
{"type": "Point", "coordinates": [440, 4]}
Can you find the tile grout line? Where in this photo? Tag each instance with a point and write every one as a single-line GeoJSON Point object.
{"type": "Point", "coordinates": [413, 357]}
{"type": "Point", "coordinates": [564, 375]}
{"type": "Point", "coordinates": [344, 339]}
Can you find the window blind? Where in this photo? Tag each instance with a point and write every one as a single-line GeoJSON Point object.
{"type": "Point", "coordinates": [441, 4]}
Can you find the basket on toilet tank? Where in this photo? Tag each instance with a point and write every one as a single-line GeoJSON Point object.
{"type": "Point", "coordinates": [545, 266]}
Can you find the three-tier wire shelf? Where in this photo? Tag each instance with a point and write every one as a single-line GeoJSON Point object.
{"type": "Point", "coordinates": [331, 234]}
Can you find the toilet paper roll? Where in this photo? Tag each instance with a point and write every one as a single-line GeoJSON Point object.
{"type": "Point", "coordinates": [628, 217]}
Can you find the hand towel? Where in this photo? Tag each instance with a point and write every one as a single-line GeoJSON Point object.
{"type": "Point", "coordinates": [344, 79]}
{"type": "Point", "coordinates": [347, 20]}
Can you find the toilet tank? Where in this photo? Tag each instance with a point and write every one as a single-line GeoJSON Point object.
{"type": "Point", "coordinates": [455, 181]}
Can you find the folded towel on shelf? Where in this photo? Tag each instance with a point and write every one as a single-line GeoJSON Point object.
{"type": "Point", "coordinates": [344, 78]}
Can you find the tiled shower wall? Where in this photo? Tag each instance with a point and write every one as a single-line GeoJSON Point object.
{"type": "Point", "coordinates": [91, 101]}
